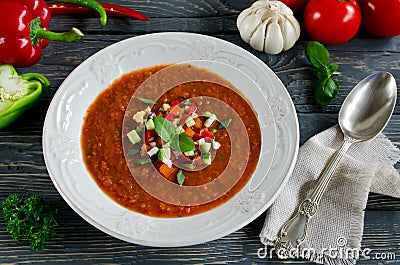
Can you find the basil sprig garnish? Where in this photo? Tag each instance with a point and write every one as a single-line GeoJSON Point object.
{"type": "Point", "coordinates": [327, 88]}
{"type": "Point", "coordinates": [167, 131]}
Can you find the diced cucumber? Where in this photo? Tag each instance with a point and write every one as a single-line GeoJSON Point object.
{"type": "Point", "coordinates": [150, 124]}
{"type": "Point", "coordinates": [139, 116]}
{"type": "Point", "coordinates": [164, 155]}
{"type": "Point", "coordinates": [153, 151]}
{"type": "Point", "coordinates": [190, 121]}
{"type": "Point", "coordinates": [180, 130]}
{"type": "Point", "coordinates": [201, 141]}
{"type": "Point", "coordinates": [166, 106]}
{"type": "Point", "coordinates": [210, 120]}
{"type": "Point", "coordinates": [207, 159]}
{"type": "Point", "coordinates": [188, 166]}
{"type": "Point", "coordinates": [207, 114]}
{"type": "Point", "coordinates": [205, 147]}
{"type": "Point", "coordinates": [189, 153]}
{"type": "Point", "coordinates": [133, 137]}
{"type": "Point", "coordinates": [215, 144]}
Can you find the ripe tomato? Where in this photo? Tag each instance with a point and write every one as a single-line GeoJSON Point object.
{"type": "Point", "coordinates": [332, 21]}
{"type": "Point", "coordinates": [381, 18]}
{"type": "Point", "coordinates": [295, 5]}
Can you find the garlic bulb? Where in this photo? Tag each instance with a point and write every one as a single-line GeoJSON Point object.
{"type": "Point", "coordinates": [269, 26]}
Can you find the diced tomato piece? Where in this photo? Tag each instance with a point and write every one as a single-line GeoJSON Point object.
{"type": "Point", "coordinates": [207, 134]}
{"type": "Point", "coordinates": [196, 130]}
{"type": "Point", "coordinates": [169, 116]}
{"type": "Point", "coordinates": [148, 136]}
{"type": "Point", "coordinates": [174, 102]}
{"type": "Point", "coordinates": [197, 136]}
{"type": "Point", "coordinates": [192, 108]}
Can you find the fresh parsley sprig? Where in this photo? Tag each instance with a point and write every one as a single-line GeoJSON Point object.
{"type": "Point", "coordinates": [32, 217]}
{"type": "Point", "coordinates": [327, 88]}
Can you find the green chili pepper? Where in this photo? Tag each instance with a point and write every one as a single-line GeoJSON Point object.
{"type": "Point", "coordinates": [18, 92]}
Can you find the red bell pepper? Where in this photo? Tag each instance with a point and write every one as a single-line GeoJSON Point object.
{"type": "Point", "coordinates": [26, 32]}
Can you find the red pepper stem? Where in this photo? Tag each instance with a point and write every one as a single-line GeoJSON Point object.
{"type": "Point", "coordinates": [72, 35]}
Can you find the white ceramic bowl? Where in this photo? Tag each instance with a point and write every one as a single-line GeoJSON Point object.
{"type": "Point", "coordinates": [268, 96]}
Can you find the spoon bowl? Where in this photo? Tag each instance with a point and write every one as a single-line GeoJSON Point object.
{"type": "Point", "coordinates": [364, 114]}
{"type": "Point", "coordinates": [368, 107]}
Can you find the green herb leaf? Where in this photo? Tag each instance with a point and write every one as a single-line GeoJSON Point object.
{"type": "Point", "coordinates": [331, 69]}
{"type": "Point", "coordinates": [326, 88]}
{"type": "Point", "coordinates": [321, 73]}
{"type": "Point", "coordinates": [317, 54]}
{"type": "Point", "coordinates": [32, 217]}
{"type": "Point", "coordinates": [180, 177]}
{"type": "Point", "coordinates": [142, 161]}
{"type": "Point", "coordinates": [185, 143]}
{"type": "Point", "coordinates": [325, 91]}
{"type": "Point", "coordinates": [225, 123]}
{"type": "Point", "coordinates": [147, 101]}
{"type": "Point", "coordinates": [165, 129]}
{"type": "Point", "coordinates": [133, 152]}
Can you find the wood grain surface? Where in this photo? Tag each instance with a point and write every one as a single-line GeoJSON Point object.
{"type": "Point", "coordinates": [22, 168]}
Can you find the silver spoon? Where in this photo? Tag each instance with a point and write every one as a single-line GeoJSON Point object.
{"type": "Point", "coordinates": [363, 115]}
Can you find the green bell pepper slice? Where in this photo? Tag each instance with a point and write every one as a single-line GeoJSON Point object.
{"type": "Point", "coordinates": [18, 93]}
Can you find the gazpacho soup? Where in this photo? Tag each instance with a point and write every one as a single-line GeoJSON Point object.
{"type": "Point", "coordinates": [171, 140]}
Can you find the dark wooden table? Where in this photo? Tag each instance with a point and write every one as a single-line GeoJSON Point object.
{"type": "Point", "coordinates": [22, 168]}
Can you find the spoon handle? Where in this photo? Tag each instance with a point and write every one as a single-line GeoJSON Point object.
{"type": "Point", "coordinates": [294, 231]}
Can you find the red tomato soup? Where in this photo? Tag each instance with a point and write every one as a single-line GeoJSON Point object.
{"type": "Point", "coordinates": [118, 139]}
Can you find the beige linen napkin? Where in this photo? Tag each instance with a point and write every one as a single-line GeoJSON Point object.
{"type": "Point", "coordinates": [335, 231]}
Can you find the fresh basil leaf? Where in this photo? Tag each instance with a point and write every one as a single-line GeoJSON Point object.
{"type": "Point", "coordinates": [325, 91]}
{"type": "Point", "coordinates": [133, 152]}
{"type": "Point", "coordinates": [180, 177]}
{"type": "Point", "coordinates": [225, 123]}
{"type": "Point", "coordinates": [331, 87]}
{"type": "Point", "coordinates": [317, 54]}
{"type": "Point", "coordinates": [147, 101]}
{"type": "Point", "coordinates": [142, 161]}
{"type": "Point", "coordinates": [331, 69]}
{"type": "Point", "coordinates": [165, 129]}
{"type": "Point", "coordinates": [185, 143]}
{"type": "Point", "coordinates": [321, 73]}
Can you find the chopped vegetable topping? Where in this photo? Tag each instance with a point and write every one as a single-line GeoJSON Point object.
{"type": "Point", "coordinates": [147, 101]}
{"type": "Point", "coordinates": [225, 123]}
{"type": "Point", "coordinates": [176, 136]}
{"type": "Point", "coordinates": [210, 120]}
{"type": "Point", "coordinates": [143, 161]}
{"type": "Point", "coordinates": [180, 177]}
{"type": "Point", "coordinates": [133, 137]}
